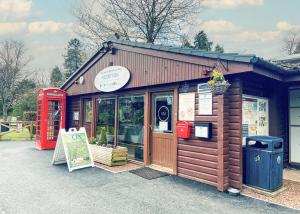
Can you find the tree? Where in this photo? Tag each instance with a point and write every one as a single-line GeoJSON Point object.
{"type": "Point", "coordinates": [147, 20]}
{"type": "Point", "coordinates": [185, 43]}
{"type": "Point", "coordinates": [201, 41]}
{"type": "Point", "coordinates": [297, 48]}
{"type": "Point", "coordinates": [56, 77]}
{"type": "Point", "coordinates": [74, 57]}
{"type": "Point", "coordinates": [13, 62]}
{"type": "Point", "coordinates": [290, 42]}
{"type": "Point", "coordinates": [219, 48]}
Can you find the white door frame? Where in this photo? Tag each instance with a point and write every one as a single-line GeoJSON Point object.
{"type": "Point", "coordinates": [290, 126]}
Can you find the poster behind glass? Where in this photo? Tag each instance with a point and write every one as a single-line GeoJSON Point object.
{"type": "Point", "coordinates": [255, 116]}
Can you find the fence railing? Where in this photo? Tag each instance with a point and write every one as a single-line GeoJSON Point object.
{"type": "Point", "coordinates": [17, 130]}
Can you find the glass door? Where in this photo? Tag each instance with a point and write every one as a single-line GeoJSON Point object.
{"type": "Point", "coordinates": [162, 145]}
{"type": "Point", "coordinates": [105, 127]}
{"type": "Point", "coordinates": [131, 125]}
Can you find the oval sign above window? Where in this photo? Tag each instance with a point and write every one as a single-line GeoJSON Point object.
{"type": "Point", "coordinates": [112, 78]}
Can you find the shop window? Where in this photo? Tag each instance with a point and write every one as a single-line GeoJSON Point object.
{"type": "Point", "coordinates": [131, 125]}
{"type": "Point", "coordinates": [105, 127]}
{"type": "Point", "coordinates": [163, 113]}
{"type": "Point", "coordinates": [88, 111]}
{"type": "Point", "coordinates": [255, 116]}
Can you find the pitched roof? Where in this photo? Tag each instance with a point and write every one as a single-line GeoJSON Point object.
{"type": "Point", "coordinates": [235, 57]}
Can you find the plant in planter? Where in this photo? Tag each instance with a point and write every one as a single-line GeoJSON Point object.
{"type": "Point", "coordinates": [217, 84]}
{"type": "Point", "coordinates": [105, 153]}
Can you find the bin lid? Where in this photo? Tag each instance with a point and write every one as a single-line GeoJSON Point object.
{"type": "Point", "coordinates": [265, 139]}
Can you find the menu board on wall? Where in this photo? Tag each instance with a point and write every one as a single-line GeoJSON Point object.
{"type": "Point", "coordinates": [187, 106]}
{"type": "Point", "coordinates": [205, 103]}
{"type": "Point", "coordinates": [255, 116]}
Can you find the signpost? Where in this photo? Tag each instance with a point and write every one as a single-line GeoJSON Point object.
{"type": "Point", "coordinates": [72, 148]}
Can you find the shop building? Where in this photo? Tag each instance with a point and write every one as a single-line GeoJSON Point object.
{"type": "Point", "coordinates": [136, 93]}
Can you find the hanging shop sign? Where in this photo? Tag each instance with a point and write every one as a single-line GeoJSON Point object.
{"type": "Point", "coordinates": [187, 107]}
{"type": "Point", "coordinates": [112, 78]}
{"type": "Point", "coordinates": [72, 147]}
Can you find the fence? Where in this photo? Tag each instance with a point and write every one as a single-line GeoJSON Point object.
{"type": "Point", "coordinates": [17, 130]}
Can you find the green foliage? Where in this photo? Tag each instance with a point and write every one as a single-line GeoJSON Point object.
{"type": "Point", "coordinates": [201, 41]}
{"type": "Point", "coordinates": [74, 57]}
{"type": "Point", "coordinates": [56, 77]}
{"type": "Point", "coordinates": [92, 140]}
{"type": "Point", "coordinates": [103, 138]}
{"type": "Point", "coordinates": [219, 48]}
{"type": "Point", "coordinates": [26, 103]}
{"type": "Point", "coordinates": [25, 98]}
{"type": "Point", "coordinates": [29, 115]}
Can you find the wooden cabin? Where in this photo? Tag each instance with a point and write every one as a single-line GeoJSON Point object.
{"type": "Point", "coordinates": [166, 85]}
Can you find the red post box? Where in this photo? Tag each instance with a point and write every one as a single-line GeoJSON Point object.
{"type": "Point", "coordinates": [184, 129]}
{"type": "Point", "coordinates": [50, 116]}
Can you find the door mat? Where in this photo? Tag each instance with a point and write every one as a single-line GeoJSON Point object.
{"type": "Point", "coordinates": [117, 169]}
{"type": "Point", "coordinates": [148, 173]}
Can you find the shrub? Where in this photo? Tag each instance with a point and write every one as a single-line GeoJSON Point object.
{"type": "Point", "coordinates": [29, 115]}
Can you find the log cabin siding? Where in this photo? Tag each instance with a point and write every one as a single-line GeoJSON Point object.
{"type": "Point", "coordinates": [73, 105]}
{"type": "Point", "coordinates": [198, 159]}
{"type": "Point", "coordinates": [205, 160]}
{"type": "Point", "coordinates": [233, 132]}
{"type": "Point", "coordinates": [150, 70]}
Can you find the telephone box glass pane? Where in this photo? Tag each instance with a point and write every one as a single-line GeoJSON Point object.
{"type": "Point", "coordinates": [54, 119]}
{"type": "Point", "coordinates": [106, 120]}
{"type": "Point", "coordinates": [163, 113]}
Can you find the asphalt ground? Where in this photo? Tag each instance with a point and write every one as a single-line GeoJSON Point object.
{"type": "Point", "coordinates": [30, 184]}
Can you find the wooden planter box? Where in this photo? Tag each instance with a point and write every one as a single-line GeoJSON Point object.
{"type": "Point", "coordinates": [109, 156]}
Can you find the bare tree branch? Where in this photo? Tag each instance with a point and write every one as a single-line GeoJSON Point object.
{"type": "Point", "coordinates": [12, 66]}
{"type": "Point", "coordinates": [146, 20]}
{"type": "Point", "coordinates": [290, 42]}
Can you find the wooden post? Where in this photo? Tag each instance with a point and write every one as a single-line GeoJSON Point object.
{"type": "Point", "coordinates": [31, 130]}
{"type": "Point", "coordinates": [175, 118]}
{"type": "Point", "coordinates": [222, 148]}
{"type": "Point", "coordinates": [116, 122]}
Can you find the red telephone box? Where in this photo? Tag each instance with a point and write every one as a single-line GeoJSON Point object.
{"type": "Point", "coordinates": [50, 116]}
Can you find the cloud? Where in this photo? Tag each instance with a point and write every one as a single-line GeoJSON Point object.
{"type": "Point", "coordinates": [285, 26]}
{"type": "Point", "coordinates": [231, 3]}
{"type": "Point", "coordinates": [49, 27]}
{"type": "Point", "coordinates": [217, 26]}
{"type": "Point", "coordinates": [15, 9]}
{"type": "Point", "coordinates": [35, 27]}
{"type": "Point", "coordinates": [11, 27]}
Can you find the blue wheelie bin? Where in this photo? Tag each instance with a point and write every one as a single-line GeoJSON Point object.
{"type": "Point", "coordinates": [263, 162]}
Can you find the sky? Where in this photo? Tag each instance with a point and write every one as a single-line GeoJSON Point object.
{"type": "Point", "coordinates": [241, 26]}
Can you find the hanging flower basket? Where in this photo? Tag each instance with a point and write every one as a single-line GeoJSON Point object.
{"type": "Point", "coordinates": [219, 88]}
{"type": "Point", "coordinates": [217, 84]}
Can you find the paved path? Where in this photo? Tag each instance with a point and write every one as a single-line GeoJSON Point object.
{"type": "Point", "coordinates": [30, 184]}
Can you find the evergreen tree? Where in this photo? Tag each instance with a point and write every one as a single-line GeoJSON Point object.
{"type": "Point", "coordinates": [201, 41]}
{"type": "Point", "coordinates": [56, 77]}
{"type": "Point", "coordinates": [74, 57]}
{"type": "Point", "coordinates": [219, 48]}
